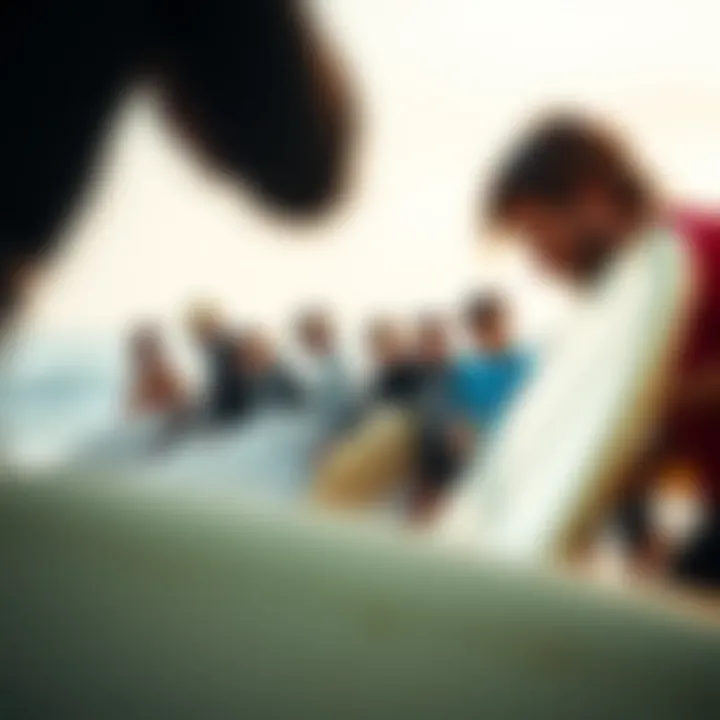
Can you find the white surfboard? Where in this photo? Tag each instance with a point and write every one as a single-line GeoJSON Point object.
{"type": "Point", "coordinates": [553, 468]}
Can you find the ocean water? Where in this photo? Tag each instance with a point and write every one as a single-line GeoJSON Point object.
{"type": "Point", "coordinates": [55, 394]}
{"type": "Point", "coordinates": [61, 400]}
{"type": "Point", "coordinates": [61, 393]}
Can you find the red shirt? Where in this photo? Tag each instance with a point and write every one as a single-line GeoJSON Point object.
{"type": "Point", "coordinates": [696, 433]}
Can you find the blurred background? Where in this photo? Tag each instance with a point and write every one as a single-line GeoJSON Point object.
{"type": "Point", "coordinates": [442, 88]}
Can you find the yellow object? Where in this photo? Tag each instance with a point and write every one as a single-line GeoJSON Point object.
{"type": "Point", "coordinates": [371, 463]}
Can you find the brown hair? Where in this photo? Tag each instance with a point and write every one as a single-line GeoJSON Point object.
{"type": "Point", "coordinates": [560, 155]}
{"type": "Point", "coordinates": [484, 309]}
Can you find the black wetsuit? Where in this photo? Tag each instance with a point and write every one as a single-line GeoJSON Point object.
{"type": "Point", "coordinates": [398, 384]}
{"type": "Point", "coordinates": [438, 460]}
{"type": "Point", "coordinates": [229, 396]}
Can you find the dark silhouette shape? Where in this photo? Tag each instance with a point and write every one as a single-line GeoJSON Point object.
{"type": "Point", "coordinates": [247, 81]}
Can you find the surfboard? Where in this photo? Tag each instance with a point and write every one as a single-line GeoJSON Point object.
{"type": "Point", "coordinates": [119, 602]}
{"type": "Point", "coordinates": [122, 600]}
{"type": "Point", "coordinates": [552, 473]}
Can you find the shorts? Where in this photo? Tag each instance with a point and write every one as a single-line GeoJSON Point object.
{"type": "Point", "coordinates": [438, 462]}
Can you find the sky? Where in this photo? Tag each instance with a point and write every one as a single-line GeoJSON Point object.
{"type": "Point", "coordinates": [443, 86]}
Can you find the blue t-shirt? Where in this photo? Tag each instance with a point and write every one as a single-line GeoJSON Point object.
{"type": "Point", "coordinates": [483, 385]}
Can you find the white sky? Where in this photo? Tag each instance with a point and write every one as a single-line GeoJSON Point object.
{"type": "Point", "coordinates": [443, 85]}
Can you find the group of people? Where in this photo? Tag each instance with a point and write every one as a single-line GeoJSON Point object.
{"type": "Point", "coordinates": [576, 197]}
{"type": "Point", "coordinates": [573, 193]}
{"type": "Point", "coordinates": [458, 397]}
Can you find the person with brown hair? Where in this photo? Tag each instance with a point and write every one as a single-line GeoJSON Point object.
{"type": "Point", "coordinates": [227, 395]}
{"type": "Point", "coordinates": [155, 385]}
{"type": "Point", "coordinates": [270, 382]}
{"type": "Point", "coordinates": [489, 377]}
{"type": "Point", "coordinates": [577, 197]}
{"type": "Point", "coordinates": [331, 396]}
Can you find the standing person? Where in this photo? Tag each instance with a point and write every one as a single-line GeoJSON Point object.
{"type": "Point", "coordinates": [271, 384]}
{"type": "Point", "coordinates": [487, 379]}
{"type": "Point", "coordinates": [578, 197]}
{"type": "Point", "coordinates": [464, 398]}
{"type": "Point", "coordinates": [398, 376]}
{"type": "Point", "coordinates": [437, 461]}
{"type": "Point", "coordinates": [331, 395]}
{"type": "Point", "coordinates": [433, 348]}
{"type": "Point", "coordinates": [155, 386]}
{"type": "Point", "coordinates": [155, 405]}
{"type": "Point", "coordinates": [227, 394]}
{"type": "Point", "coordinates": [378, 457]}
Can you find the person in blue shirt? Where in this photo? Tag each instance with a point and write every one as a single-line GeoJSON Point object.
{"type": "Point", "coordinates": [467, 398]}
{"type": "Point", "coordinates": [486, 380]}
